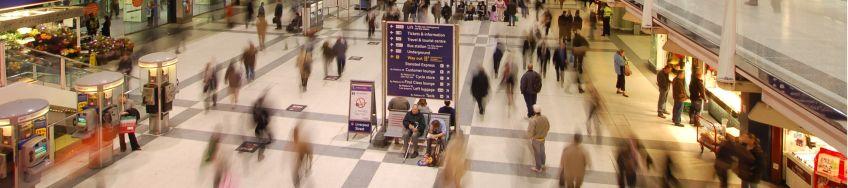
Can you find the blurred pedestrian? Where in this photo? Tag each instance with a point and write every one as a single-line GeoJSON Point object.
{"type": "Point", "coordinates": [537, 130]}
{"type": "Point", "coordinates": [278, 15]}
{"type": "Point", "coordinates": [436, 10]}
{"type": "Point", "coordinates": [508, 81]}
{"type": "Point", "coordinates": [303, 155]}
{"type": "Point", "coordinates": [230, 14]}
{"type": "Point", "coordinates": [543, 52]}
{"type": "Point", "coordinates": [669, 180]}
{"type": "Point", "coordinates": [576, 22]}
{"type": "Point", "coordinates": [663, 85]}
{"type": "Point", "coordinates": [480, 89]}
{"type": "Point", "coordinates": [262, 118]}
{"type": "Point", "coordinates": [328, 55]}
{"type": "Point", "coordinates": [573, 164]}
{"type": "Point", "coordinates": [446, 12]}
{"type": "Point", "coordinates": [559, 58]}
{"type": "Point", "coordinates": [248, 13]}
{"type": "Point", "coordinates": [562, 22]}
{"type": "Point", "coordinates": [724, 160]}
{"type": "Point", "coordinates": [408, 9]}
{"type": "Point", "coordinates": [619, 63]}
{"type": "Point", "coordinates": [261, 29]}
{"type": "Point", "coordinates": [524, 9]}
{"type": "Point", "coordinates": [249, 59]}
{"type": "Point", "coordinates": [233, 81]}
{"type": "Point", "coordinates": [698, 96]}
{"type": "Point", "coordinates": [531, 84]}
{"type": "Point", "coordinates": [567, 23]}
{"type": "Point", "coordinates": [497, 56]}
{"type": "Point", "coordinates": [340, 48]}
{"type": "Point", "coordinates": [210, 86]}
{"type": "Point", "coordinates": [304, 65]}
{"type": "Point", "coordinates": [114, 9]}
{"type": "Point", "coordinates": [511, 10]}
{"type": "Point", "coordinates": [751, 163]}
{"type": "Point", "coordinates": [546, 21]}
{"type": "Point", "coordinates": [414, 125]}
{"type": "Point", "coordinates": [679, 95]}
{"type": "Point", "coordinates": [455, 162]}
{"type": "Point", "coordinates": [626, 165]}
{"type": "Point", "coordinates": [372, 23]}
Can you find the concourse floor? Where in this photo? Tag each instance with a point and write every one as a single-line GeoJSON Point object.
{"type": "Point", "coordinates": [498, 150]}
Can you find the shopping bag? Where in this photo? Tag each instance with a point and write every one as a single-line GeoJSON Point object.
{"type": "Point", "coordinates": [128, 124]}
{"type": "Point", "coordinates": [627, 70]}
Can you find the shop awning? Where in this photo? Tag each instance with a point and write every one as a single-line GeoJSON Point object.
{"type": "Point", "coordinates": [32, 17]}
{"type": "Point", "coordinates": [763, 113]}
{"type": "Point", "coordinates": [672, 46]}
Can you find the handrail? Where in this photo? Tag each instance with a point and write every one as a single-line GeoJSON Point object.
{"type": "Point", "coordinates": [73, 61]}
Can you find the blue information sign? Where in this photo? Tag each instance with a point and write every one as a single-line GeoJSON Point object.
{"type": "Point", "coordinates": [420, 60]}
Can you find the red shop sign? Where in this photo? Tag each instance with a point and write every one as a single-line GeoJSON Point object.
{"type": "Point", "coordinates": [829, 165]}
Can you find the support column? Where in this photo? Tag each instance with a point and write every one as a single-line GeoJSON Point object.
{"type": "Point", "coordinates": [63, 81]}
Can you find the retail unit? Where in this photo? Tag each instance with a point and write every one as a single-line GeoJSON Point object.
{"type": "Point", "coordinates": [24, 142]}
{"type": "Point", "coordinates": [99, 121]}
{"type": "Point", "coordinates": [159, 89]}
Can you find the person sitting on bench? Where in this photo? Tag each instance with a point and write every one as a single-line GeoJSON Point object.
{"type": "Point", "coordinates": [413, 124]}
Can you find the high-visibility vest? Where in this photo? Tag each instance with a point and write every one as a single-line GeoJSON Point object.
{"type": "Point", "coordinates": [607, 11]}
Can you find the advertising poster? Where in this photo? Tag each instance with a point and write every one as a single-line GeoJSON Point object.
{"type": "Point", "coordinates": [420, 60]}
{"type": "Point", "coordinates": [361, 106]}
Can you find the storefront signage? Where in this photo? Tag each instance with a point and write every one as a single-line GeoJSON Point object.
{"type": "Point", "coordinates": [802, 98]}
{"type": "Point", "coordinates": [420, 60]}
{"type": "Point", "coordinates": [361, 106]}
{"type": "Point", "coordinates": [829, 164]}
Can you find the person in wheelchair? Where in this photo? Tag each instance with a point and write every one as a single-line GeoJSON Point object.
{"type": "Point", "coordinates": [435, 140]}
{"type": "Point", "coordinates": [296, 23]}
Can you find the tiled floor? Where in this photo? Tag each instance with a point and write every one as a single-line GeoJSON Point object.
{"type": "Point", "coordinates": [498, 151]}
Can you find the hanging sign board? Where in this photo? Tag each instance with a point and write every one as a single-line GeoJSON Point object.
{"type": "Point", "coordinates": [829, 169]}
{"type": "Point", "coordinates": [361, 107]}
{"type": "Point", "coordinates": [420, 60]}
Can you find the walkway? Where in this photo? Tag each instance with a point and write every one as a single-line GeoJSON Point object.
{"type": "Point", "coordinates": [498, 150]}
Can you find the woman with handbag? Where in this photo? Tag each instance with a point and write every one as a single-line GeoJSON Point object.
{"type": "Point", "coordinates": [622, 69]}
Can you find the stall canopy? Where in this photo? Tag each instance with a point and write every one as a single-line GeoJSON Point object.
{"type": "Point", "coordinates": [32, 17]}
{"type": "Point", "coordinates": [672, 46]}
{"type": "Point", "coordinates": [764, 113]}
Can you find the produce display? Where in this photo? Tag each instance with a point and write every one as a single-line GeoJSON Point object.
{"type": "Point", "coordinates": [57, 39]}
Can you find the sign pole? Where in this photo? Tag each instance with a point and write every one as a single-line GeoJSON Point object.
{"type": "Point", "coordinates": [383, 77]}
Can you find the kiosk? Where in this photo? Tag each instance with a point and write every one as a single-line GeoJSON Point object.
{"type": "Point", "coordinates": [159, 89]}
{"type": "Point", "coordinates": [103, 91]}
{"type": "Point", "coordinates": [24, 151]}
{"type": "Point", "coordinates": [313, 14]}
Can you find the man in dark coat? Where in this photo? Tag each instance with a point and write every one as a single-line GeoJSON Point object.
{"type": "Point", "coordinates": [496, 58]}
{"type": "Point", "coordinates": [446, 12]}
{"type": "Point", "coordinates": [278, 15]}
{"type": "Point", "coordinates": [562, 21]}
{"type": "Point", "coordinates": [663, 85]}
{"type": "Point", "coordinates": [414, 125]}
{"type": "Point", "coordinates": [531, 84]}
{"type": "Point", "coordinates": [511, 10]}
{"type": "Point", "coordinates": [249, 13]}
{"type": "Point", "coordinates": [340, 48]}
{"type": "Point", "coordinates": [560, 55]}
{"type": "Point", "coordinates": [480, 88]}
{"type": "Point", "coordinates": [678, 92]}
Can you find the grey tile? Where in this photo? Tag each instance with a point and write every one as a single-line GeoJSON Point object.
{"type": "Point", "coordinates": [362, 174]}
